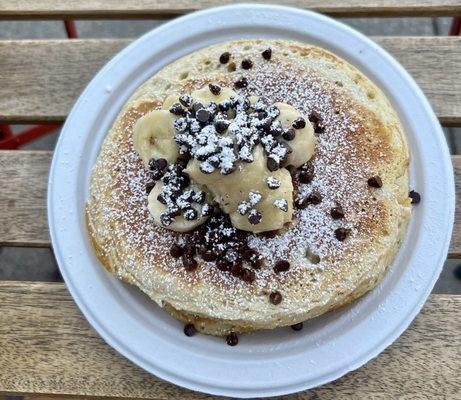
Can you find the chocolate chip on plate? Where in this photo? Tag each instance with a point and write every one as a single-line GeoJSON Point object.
{"type": "Point", "coordinates": [189, 330]}
{"type": "Point", "coordinates": [224, 58]}
{"type": "Point", "coordinates": [375, 181]}
{"type": "Point", "coordinates": [281, 266]}
{"type": "Point", "coordinates": [215, 89]}
{"type": "Point", "coordinates": [342, 233]}
{"type": "Point", "coordinates": [247, 64]}
{"type": "Point", "coordinates": [275, 298]}
{"type": "Point", "coordinates": [297, 327]}
{"type": "Point", "coordinates": [232, 339]}
{"type": "Point", "coordinates": [337, 212]}
{"type": "Point", "coordinates": [267, 54]}
{"type": "Point", "coordinates": [415, 197]}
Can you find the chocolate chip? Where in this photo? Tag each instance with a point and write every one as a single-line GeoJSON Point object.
{"type": "Point", "coordinates": [273, 183]}
{"type": "Point", "coordinates": [203, 115]}
{"type": "Point", "coordinates": [232, 339]}
{"type": "Point", "coordinates": [161, 199]}
{"type": "Point", "coordinates": [206, 210]}
{"type": "Point", "coordinates": [236, 268]}
{"type": "Point", "coordinates": [189, 263]}
{"type": "Point", "coordinates": [199, 197]}
{"type": "Point", "coordinates": [314, 118]}
{"type": "Point", "coordinates": [297, 327]}
{"type": "Point", "coordinates": [209, 256]}
{"type": "Point", "coordinates": [275, 298]}
{"type": "Point", "coordinates": [189, 249]}
{"type": "Point", "coordinates": [342, 233]}
{"type": "Point", "coordinates": [267, 54]}
{"type": "Point", "coordinates": [161, 164]}
{"type": "Point", "coordinates": [176, 109]}
{"type": "Point", "coordinates": [375, 181]}
{"type": "Point", "coordinates": [166, 219]}
{"type": "Point", "coordinates": [149, 186]}
{"type": "Point", "coordinates": [249, 254]}
{"type": "Point", "coordinates": [197, 106]}
{"type": "Point", "coordinates": [299, 123]}
{"type": "Point", "coordinates": [301, 204]}
{"type": "Point", "coordinates": [189, 330]}
{"type": "Point", "coordinates": [248, 275]}
{"type": "Point", "coordinates": [254, 217]}
{"type": "Point", "coordinates": [215, 89]}
{"type": "Point", "coordinates": [247, 64]}
{"type": "Point", "coordinates": [156, 175]}
{"type": "Point", "coordinates": [289, 134]}
{"type": "Point", "coordinates": [305, 177]}
{"type": "Point", "coordinates": [190, 214]}
{"type": "Point", "coordinates": [337, 212]}
{"type": "Point", "coordinates": [241, 83]}
{"type": "Point", "coordinates": [272, 165]}
{"type": "Point", "coordinates": [281, 266]}
{"type": "Point", "coordinates": [221, 126]}
{"type": "Point", "coordinates": [256, 263]}
{"type": "Point", "coordinates": [185, 100]}
{"type": "Point", "coordinates": [223, 265]}
{"type": "Point", "coordinates": [315, 198]}
{"type": "Point", "coordinates": [176, 251]}
{"type": "Point", "coordinates": [224, 58]}
{"type": "Point", "coordinates": [415, 197]}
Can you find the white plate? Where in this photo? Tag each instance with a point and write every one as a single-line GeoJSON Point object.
{"type": "Point", "coordinates": [272, 362]}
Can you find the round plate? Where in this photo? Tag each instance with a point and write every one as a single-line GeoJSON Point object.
{"type": "Point", "coordinates": [267, 363]}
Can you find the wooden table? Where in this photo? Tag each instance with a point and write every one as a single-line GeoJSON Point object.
{"type": "Point", "coordinates": [47, 347]}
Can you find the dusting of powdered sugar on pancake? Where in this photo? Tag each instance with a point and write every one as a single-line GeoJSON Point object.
{"type": "Point", "coordinates": [339, 177]}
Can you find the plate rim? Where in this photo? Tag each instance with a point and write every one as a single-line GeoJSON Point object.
{"type": "Point", "coordinates": [180, 380]}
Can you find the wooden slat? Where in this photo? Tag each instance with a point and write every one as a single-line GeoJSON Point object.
{"type": "Point", "coordinates": [41, 9]}
{"type": "Point", "coordinates": [41, 80]}
{"type": "Point", "coordinates": [49, 348]}
{"type": "Point", "coordinates": [24, 176]}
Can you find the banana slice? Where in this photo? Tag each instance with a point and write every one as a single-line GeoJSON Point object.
{"type": "Point", "coordinates": [230, 190]}
{"type": "Point", "coordinates": [179, 224]}
{"type": "Point", "coordinates": [153, 136]}
{"type": "Point", "coordinates": [303, 144]}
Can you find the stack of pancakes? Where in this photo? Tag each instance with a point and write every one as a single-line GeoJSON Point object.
{"type": "Point", "coordinates": [359, 171]}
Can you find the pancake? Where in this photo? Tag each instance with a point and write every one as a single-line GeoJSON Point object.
{"type": "Point", "coordinates": [359, 136]}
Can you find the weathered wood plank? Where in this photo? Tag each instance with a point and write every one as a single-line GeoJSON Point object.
{"type": "Point", "coordinates": [46, 9]}
{"type": "Point", "coordinates": [49, 348]}
{"type": "Point", "coordinates": [24, 175]}
{"type": "Point", "coordinates": [23, 217]}
{"type": "Point", "coordinates": [41, 80]}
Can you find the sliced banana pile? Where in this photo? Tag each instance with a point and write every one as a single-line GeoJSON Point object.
{"type": "Point", "coordinates": [229, 149]}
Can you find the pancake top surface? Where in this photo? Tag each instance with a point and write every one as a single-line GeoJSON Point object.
{"type": "Point", "coordinates": [361, 137]}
